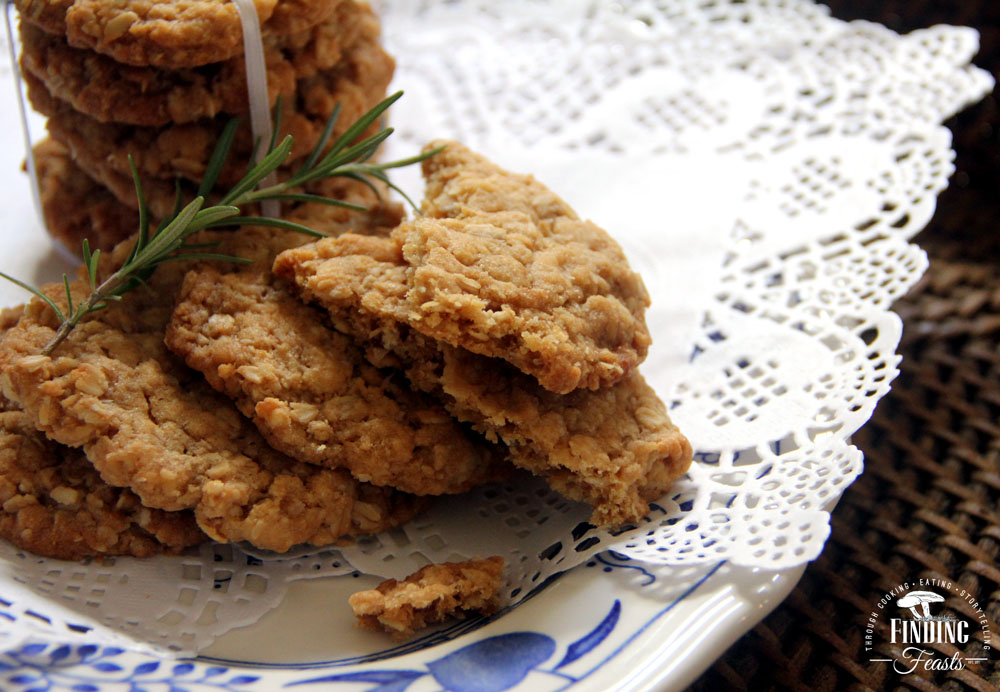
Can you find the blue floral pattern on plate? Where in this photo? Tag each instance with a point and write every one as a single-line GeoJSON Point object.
{"type": "Point", "coordinates": [89, 668]}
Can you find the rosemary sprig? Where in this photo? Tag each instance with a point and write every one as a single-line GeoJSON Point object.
{"type": "Point", "coordinates": [347, 157]}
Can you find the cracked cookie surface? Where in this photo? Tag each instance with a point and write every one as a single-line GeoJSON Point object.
{"type": "Point", "coordinates": [54, 503]}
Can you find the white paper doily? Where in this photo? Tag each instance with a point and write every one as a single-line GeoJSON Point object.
{"type": "Point", "coordinates": [762, 164]}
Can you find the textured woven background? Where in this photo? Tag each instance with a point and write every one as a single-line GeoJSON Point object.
{"type": "Point", "coordinates": [927, 503]}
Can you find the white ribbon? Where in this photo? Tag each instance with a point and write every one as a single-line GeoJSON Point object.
{"type": "Point", "coordinates": [260, 107]}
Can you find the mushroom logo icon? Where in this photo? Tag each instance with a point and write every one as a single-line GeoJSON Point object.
{"type": "Point", "coordinates": [923, 599]}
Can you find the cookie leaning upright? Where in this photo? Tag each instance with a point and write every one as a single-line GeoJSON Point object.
{"type": "Point", "coordinates": [503, 267]}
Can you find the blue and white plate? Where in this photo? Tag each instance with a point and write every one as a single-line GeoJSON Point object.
{"type": "Point", "coordinates": [612, 624]}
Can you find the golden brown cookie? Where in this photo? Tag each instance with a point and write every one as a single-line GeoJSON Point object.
{"type": "Point", "coordinates": [74, 206]}
{"type": "Point", "coordinates": [499, 265]}
{"type": "Point", "coordinates": [102, 149]}
{"type": "Point", "coordinates": [109, 91]}
{"type": "Point", "coordinates": [53, 502]}
{"type": "Point", "coordinates": [309, 390]}
{"type": "Point", "coordinates": [149, 423]}
{"type": "Point", "coordinates": [431, 595]}
{"type": "Point", "coordinates": [171, 34]}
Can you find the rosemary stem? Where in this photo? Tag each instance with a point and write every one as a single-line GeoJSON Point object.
{"type": "Point", "coordinates": [106, 288]}
{"type": "Point", "coordinates": [260, 193]}
{"type": "Point", "coordinates": [350, 156]}
{"type": "Point", "coordinates": [60, 336]}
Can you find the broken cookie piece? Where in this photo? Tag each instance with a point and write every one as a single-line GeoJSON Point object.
{"type": "Point", "coordinates": [431, 595]}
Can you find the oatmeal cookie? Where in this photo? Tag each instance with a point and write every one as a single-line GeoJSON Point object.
{"type": "Point", "coordinates": [499, 265]}
{"type": "Point", "coordinates": [310, 391]}
{"type": "Point", "coordinates": [74, 206]}
{"type": "Point", "coordinates": [431, 595]}
{"type": "Point", "coordinates": [55, 504]}
{"type": "Point", "coordinates": [614, 448]}
{"type": "Point", "coordinates": [109, 91]}
{"type": "Point", "coordinates": [147, 422]}
{"type": "Point", "coordinates": [183, 150]}
{"type": "Point", "coordinates": [170, 34]}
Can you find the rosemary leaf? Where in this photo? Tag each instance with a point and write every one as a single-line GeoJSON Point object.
{"type": "Point", "coordinates": [359, 150]}
{"type": "Point", "coordinates": [69, 295]}
{"type": "Point", "coordinates": [267, 165]}
{"type": "Point", "coordinates": [276, 119]}
{"type": "Point", "coordinates": [171, 236]}
{"type": "Point", "coordinates": [92, 268]}
{"type": "Point", "coordinates": [268, 221]}
{"type": "Point", "coordinates": [218, 158]}
{"type": "Point", "coordinates": [90, 264]}
{"type": "Point", "coordinates": [184, 256]}
{"type": "Point", "coordinates": [210, 216]}
{"type": "Point", "coordinates": [363, 123]}
{"type": "Point", "coordinates": [39, 294]}
{"type": "Point", "coordinates": [409, 161]}
{"type": "Point", "coordinates": [199, 246]}
{"type": "Point", "coordinates": [323, 139]}
{"type": "Point", "coordinates": [318, 199]}
{"type": "Point", "coordinates": [143, 209]}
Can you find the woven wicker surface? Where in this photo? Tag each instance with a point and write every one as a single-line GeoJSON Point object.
{"type": "Point", "coordinates": [928, 503]}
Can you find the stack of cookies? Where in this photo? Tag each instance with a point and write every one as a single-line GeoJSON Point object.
{"type": "Point", "coordinates": [159, 82]}
{"type": "Point", "coordinates": [113, 394]}
{"type": "Point", "coordinates": [328, 389]}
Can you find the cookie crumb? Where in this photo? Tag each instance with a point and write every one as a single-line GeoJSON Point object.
{"type": "Point", "coordinates": [431, 595]}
